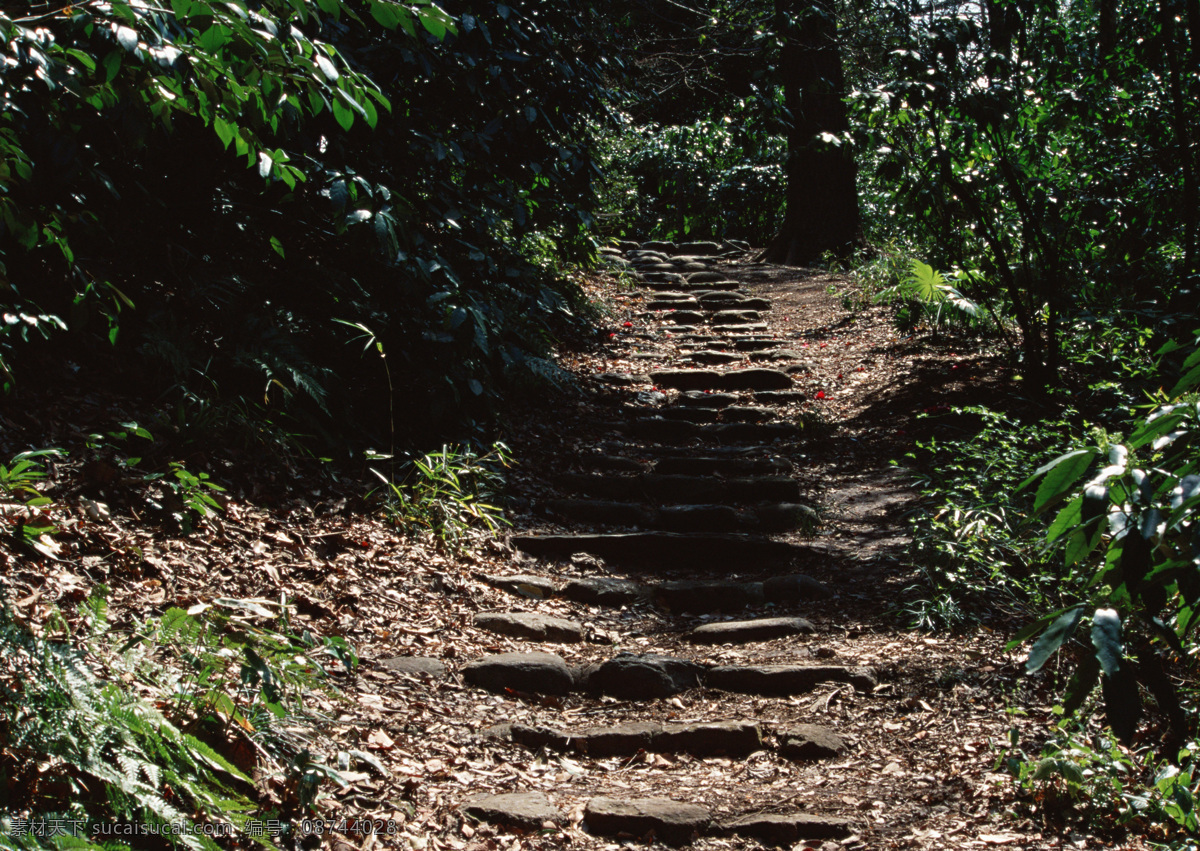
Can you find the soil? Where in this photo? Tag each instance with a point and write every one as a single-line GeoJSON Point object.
{"type": "Point", "coordinates": [921, 767]}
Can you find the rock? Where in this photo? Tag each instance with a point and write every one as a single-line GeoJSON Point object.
{"type": "Point", "coordinates": [530, 625]}
{"type": "Point", "coordinates": [746, 414]}
{"type": "Point", "coordinates": [672, 487]}
{"type": "Point", "coordinates": [692, 415]}
{"type": "Point", "coordinates": [705, 277]}
{"type": "Point", "coordinates": [616, 463]}
{"type": "Point", "coordinates": [809, 741]}
{"type": "Point", "coordinates": [670, 821]}
{"type": "Point", "coordinates": [661, 303]}
{"type": "Point", "coordinates": [782, 830]}
{"type": "Point", "coordinates": [734, 317]}
{"type": "Point", "coordinates": [701, 399]}
{"type": "Point", "coordinates": [668, 248]}
{"type": "Point", "coordinates": [679, 317]}
{"type": "Point", "coordinates": [700, 597]}
{"type": "Point", "coordinates": [612, 513]}
{"type": "Point", "coordinates": [749, 379]}
{"type": "Point", "coordinates": [762, 488]}
{"type": "Point", "coordinates": [708, 465]}
{"type": "Point", "coordinates": [780, 397]}
{"type": "Point", "coordinates": [740, 632]}
{"type": "Point", "coordinates": [708, 248]}
{"type": "Point", "coordinates": [666, 431]}
{"type": "Point", "coordinates": [621, 379]}
{"type": "Point", "coordinates": [700, 518]}
{"type": "Point", "coordinates": [754, 344]}
{"type": "Point", "coordinates": [633, 677]}
{"type": "Point", "coordinates": [421, 666]}
{"type": "Point", "coordinates": [795, 588]}
{"type": "Point", "coordinates": [785, 516]}
{"type": "Point", "coordinates": [709, 357]}
{"type": "Point", "coordinates": [664, 278]}
{"type": "Point", "coordinates": [606, 592]}
{"type": "Point", "coordinates": [622, 740]}
{"type": "Point", "coordinates": [539, 673]}
{"type": "Point", "coordinates": [528, 810]}
{"type": "Point", "coordinates": [665, 550]}
{"type": "Point", "coordinates": [690, 379]}
{"type": "Point", "coordinates": [785, 680]}
{"type": "Point", "coordinates": [727, 738]}
{"type": "Point", "coordinates": [525, 585]}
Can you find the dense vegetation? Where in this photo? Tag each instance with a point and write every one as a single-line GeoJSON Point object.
{"type": "Point", "coordinates": [218, 204]}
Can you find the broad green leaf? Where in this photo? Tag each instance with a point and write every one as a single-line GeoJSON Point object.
{"type": "Point", "coordinates": [1061, 476]}
{"type": "Point", "coordinates": [1081, 684]}
{"type": "Point", "coordinates": [1187, 383]}
{"type": "Point", "coordinates": [1052, 639]}
{"type": "Point", "coordinates": [1106, 638]}
{"type": "Point", "coordinates": [277, 246]}
{"type": "Point", "coordinates": [433, 21]}
{"type": "Point", "coordinates": [1068, 518]}
{"type": "Point", "coordinates": [344, 117]}
{"type": "Point", "coordinates": [1122, 703]}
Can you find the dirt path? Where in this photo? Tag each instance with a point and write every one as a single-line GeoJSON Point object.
{"type": "Point", "coordinates": [690, 635]}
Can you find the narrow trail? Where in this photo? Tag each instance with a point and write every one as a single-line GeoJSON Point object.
{"type": "Point", "coordinates": [695, 640]}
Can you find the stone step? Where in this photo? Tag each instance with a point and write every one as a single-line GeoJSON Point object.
{"type": "Point", "coordinates": [750, 344]}
{"type": "Point", "coordinates": [697, 517]}
{"type": "Point", "coordinates": [724, 465]}
{"type": "Point", "coordinates": [530, 625]}
{"type": "Point", "coordinates": [672, 304]}
{"type": "Point", "coordinates": [679, 431]}
{"type": "Point", "coordinates": [657, 281]}
{"type": "Point", "coordinates": [697, 596]}
{"type": "Point", "coordinates": [702, 399]}
{"type": "Point", "coordinates": [780, 397]}
{"type": "Point", "coordinates": [691, 415]}
{"type": "Point", "coordinates": [731, 301]}
{"type": "Point", "coordinates": [667, 550]}
{"type": "Point", "coordinates": [629, 676]}
{"type": "Point", "coordinates": [733, 317]}
{"type": "Point", "coordinates": [706, 379]}
{"type": "Point", "coordinates": [801, 742]}
{"type": "Point", "coordinates": [712, 738]}
{"type": "Point", "coordinates": [675, 488]}
{"type": "Point", "coordinates": [746, 328]}
{"type": "Point", "coordinates": [745, 632]}
{"type": "Point", "coordinates": [648, 819]}
{"type": "Point", "coordinates": [709, 357]}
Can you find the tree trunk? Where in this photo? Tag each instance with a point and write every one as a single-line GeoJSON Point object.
{"type": "Point", "coordinates": [822, 199]}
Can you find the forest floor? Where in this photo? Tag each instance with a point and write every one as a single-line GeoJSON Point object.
{"type": "Point", "coordinates": [919, 766]}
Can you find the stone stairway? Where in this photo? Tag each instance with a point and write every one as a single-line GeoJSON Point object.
{"type": "Point", "coordinates": [686, 524]}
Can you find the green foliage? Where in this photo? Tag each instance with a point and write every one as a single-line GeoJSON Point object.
{"type": "Point", "coordinates": [1106, 783]}
{"type": "Point", "coordinates": [975, 540]}
{"type": "Point", "coordinates": [977, 156]}
{"type": "Point", "coordinates": [1127, 523]}
{"type": "Point", "coordinates": [20, 477]}
{"type": "Point", "coordinates": [449, 493]}
{"type": "Point", "coordinates": [929, 295]}
{"type": "Point", "coordinates": [203, 185]}
{"type": "Point", "coordinates": [82, 745]}
{"type": "Point", "coordinates": [715, 178]}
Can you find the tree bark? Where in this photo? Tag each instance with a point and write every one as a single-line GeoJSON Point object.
{"type": "Point", "coordinates": [822, 199]}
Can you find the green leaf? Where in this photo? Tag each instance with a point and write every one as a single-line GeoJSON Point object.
{"type": "Point", "coordinates": [1052, 639]}
{"type": "Point", "coordinates": [1060, 476]}
{"type": "Point", "coordinates": [344, 117]}
{"type": "Point", "coordinates": [432, 18]}
{"type": "Point", "coordinates": [1106, 638]}
{"type": "Point", "coordinates": [1068, 518]}
{"type": "Point", "coordinates": [1122, 703]}
{"type": "Point", "coordinates": [1081, 684]}
{"type": "Point", "coordinates": [277, 246]}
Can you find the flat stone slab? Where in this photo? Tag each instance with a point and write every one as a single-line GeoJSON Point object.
{"type": "Point", "coordinates": [755, 379]}
{"type": "Point", "coordinates": [809, 742]}
{"type": "Point", "coordinates": [701, 597]}
{"type": "Point", "coordinates": [705, 277]}
{"type": "Point", "coordinates": [725, 466]}
{"type": "Point", "coordinates": [670, 821]}
{"type": "Point", "coordinates": [712, 738]}
{"type": "Point", "coordinates": [701, 518]}
{"type": "Point", "coordinates": [528, 810]}
{"type": "Point", "coordinates": [621, 379]}
{"type": "Point", "coordinates": [795, 588]}
{"type": "Point", "coordinates": [780, 397]}
{"type": "Point", "coordinates": [539, 673]}
{"type": "Point", "coordinates": [742, 632]}
{"type": "Point", "coordinates": [530, 625]}
{"type": "Point", "coordinates": [642, 677]}
{"type": "Point", "coordinates": [783, 517]}
{"type": "Point", "coordinates": [785, 680]}
{"type": "Point", "coordinates": [420, 666]}
{"type": "Point", "coordinates": [525, 585]}
{"type": "Point", "coordinates": [665, 550]}
{"type": "Point", "coordinates": [612, 513]}
{"type": "Point", "coordinates": [603, 591]}
{"type": "Point", "coordinates": [782, 830]}
{"type": "Point", "coordinates": [701, 399]}
{"type": "Point", "coordinates": [690, 379]}
{"type": "Point", "coordinates": [711, 357]}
